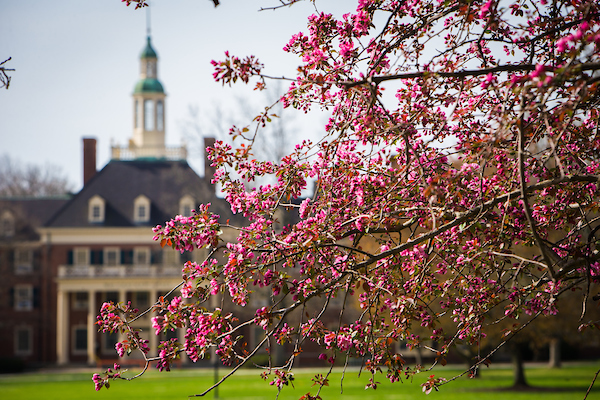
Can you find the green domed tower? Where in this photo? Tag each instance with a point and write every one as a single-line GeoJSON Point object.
{"type": "Point", "coordinates": [149, 108]}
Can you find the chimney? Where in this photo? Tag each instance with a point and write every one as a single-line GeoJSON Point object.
{"type": "Point", "coordinates": [208, 170]}
{"type": "Point", "coordinates": [89, 159]}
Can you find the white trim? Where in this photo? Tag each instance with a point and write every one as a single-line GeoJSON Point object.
{"type": "Point", "coordinates": [96, 235]}
{"type": "Point", "coordinates": [121, 236]}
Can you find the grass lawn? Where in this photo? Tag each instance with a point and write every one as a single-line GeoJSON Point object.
{"type": "Point", "coordinates": [569, 382]}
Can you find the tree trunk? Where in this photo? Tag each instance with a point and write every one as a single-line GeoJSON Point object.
{"type": "Point", "coordinates": [518, 368]}
{"type": "Point", "coordinates": [554, 361]}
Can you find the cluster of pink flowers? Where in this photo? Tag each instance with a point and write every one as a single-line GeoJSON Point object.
{"type": "Point", "coordinates": [234, 68]}
{"type": "Point", "coordinates": [104, 379]}
{"type": "Point", "coordinates": [186, 233]}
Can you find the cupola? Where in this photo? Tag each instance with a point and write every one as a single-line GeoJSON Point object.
{"type": "Point", "coordinates": [149, 114]}
{"type": "Point", "coordinates": [149, 108]}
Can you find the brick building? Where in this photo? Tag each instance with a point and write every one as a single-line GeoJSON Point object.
{"type": "Point", "coordinates": [62, 258]}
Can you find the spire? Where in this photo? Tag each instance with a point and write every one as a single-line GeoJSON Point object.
{"type": "Point", "coordinates": [148, 21]}
{"type": "Point", "coordinates": [148, 52]}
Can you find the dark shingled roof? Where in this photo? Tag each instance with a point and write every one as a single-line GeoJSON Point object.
{"type": "Point", "coordinates": [31, 213]}
{"type": "Point", "coordinates": [119, 183]}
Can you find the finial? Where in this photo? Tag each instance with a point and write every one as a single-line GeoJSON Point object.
{"type": "Point", "coordinates": [148, 20]}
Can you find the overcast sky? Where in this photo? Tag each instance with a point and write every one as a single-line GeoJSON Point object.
{"type": "Point", "coordinates": [76, 63]}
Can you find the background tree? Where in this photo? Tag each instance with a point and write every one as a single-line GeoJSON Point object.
{"type": "Point", "coordinates": [276, 138]}
{"type": "Point", "coordinates": [463, 142]}
{"type": "Point", "coordinates": [4, 77]}
{"type": "Point", "coordinates": [18, 180]}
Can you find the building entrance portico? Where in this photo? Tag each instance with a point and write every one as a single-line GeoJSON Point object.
{"type": "Point", "coordinates": [79, 301]}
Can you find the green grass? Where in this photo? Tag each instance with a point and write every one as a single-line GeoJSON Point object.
{"type": "Point", "coordinates": [569, 382]}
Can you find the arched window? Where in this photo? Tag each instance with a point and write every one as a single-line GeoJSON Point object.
{"type": "Point", "coordinates": [148, 115]}
{"type": "Point", "coordinates": [96, 209]}
{"type": "Point", "coordinates": [141, 209]}
{"type": "Point", "coordinates": [160, 112]}
{"type": "Point", "coordinates": [138, 114]}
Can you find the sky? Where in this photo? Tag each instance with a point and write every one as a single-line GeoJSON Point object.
{"type": "Point", "coordinates": [76, 63]}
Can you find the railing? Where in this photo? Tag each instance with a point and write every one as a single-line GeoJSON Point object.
{"type": "Point", "coordinates": [118, 271]}
{"type": "Point", "coordinates": [132, 153]}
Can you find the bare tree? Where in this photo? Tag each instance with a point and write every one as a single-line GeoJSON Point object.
{"type": "Point", "coordinates": [273, 142]}
{"type": "Point", "coordinates": [17, 179]}
{"type": "Point", "coordinates": [4, 77]}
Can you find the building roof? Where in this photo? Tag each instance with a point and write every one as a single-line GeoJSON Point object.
{"type": "Point", "coordinates": [148, 85]}
{"type": "Point", "coordinates": [31, 213]}
{"type": "Point", "coordinates": [148, 51]}
{"type": "Point", "coordinates": [119, 183]}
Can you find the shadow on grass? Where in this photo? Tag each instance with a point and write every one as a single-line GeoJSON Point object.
{"type": "Point", "coordinates": [534, 389]}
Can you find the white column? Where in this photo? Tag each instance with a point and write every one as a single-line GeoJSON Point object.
{"type": "Point", "coordinates": [91, 327]}
{"type": "Point", "coordinates": [122, 295]}
{"type": "Point", "coordinates": [153, 339]}
{"type": "Point", "coordinates": [62, 327]}
{"type": "Point", "coordinates": [122, 299]}
{"type": "Point", "coordinates": [181, 339]}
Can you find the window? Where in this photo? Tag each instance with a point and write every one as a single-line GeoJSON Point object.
{"type": "Point", "coordinates": [258, 334]}
{"type": "Point", "coordinates": [109, 341]}
{"type": "Point", "coordinates": [148, 115]}
{"type": "Point", "coordinates": [112, 256]}
{"type": "Point", "coordinates": [23, 261]}
{"type": "Point", "coordinates": [142, 300]}
{"type": "Point", "coordinates": [137, 113]}
{"type": "Point", "coordinates": [7, 224]}
{"type": "Point", "coordinates": [186, 205]}
{"type": "Point", "coordinates": [96, 209]}
{"type": "Point", "coordinates": [187, 256]}
{"type": "Point", "coordinates": [160, 115]}
{"type": "Point", "coordinates": [80, 300]}
{"type": "Point", "coordinates": [112, 296]}
{"type": "Point", "coordinates": [23, 297]}
{"type": "Point", "coordinates": [80, 340]}
{"type": "Point", "coordinates": [141, 209]}
{"type": "Point", "coordinates": [172, 334]}
{"type": "Point", "coordinates": [141, 256]}
{"type": "Point", "coordinates": [170, 256]}
{"type": "Point", "coordinates": [81, 256]}
{"type": "Point", "coordinates": [23, 341]}
{"type": "Point", "coordinates": [150, 69]}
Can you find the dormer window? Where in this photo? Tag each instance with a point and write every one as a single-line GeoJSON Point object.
{"type": "Point", "coordinates": [7, 224]}
{"type": "Point", "coordinates": [96, 209]}
{"type": "Point", "coordinates": [186, 205]}
{"type": "Point", "coordinates": [141, 209]}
